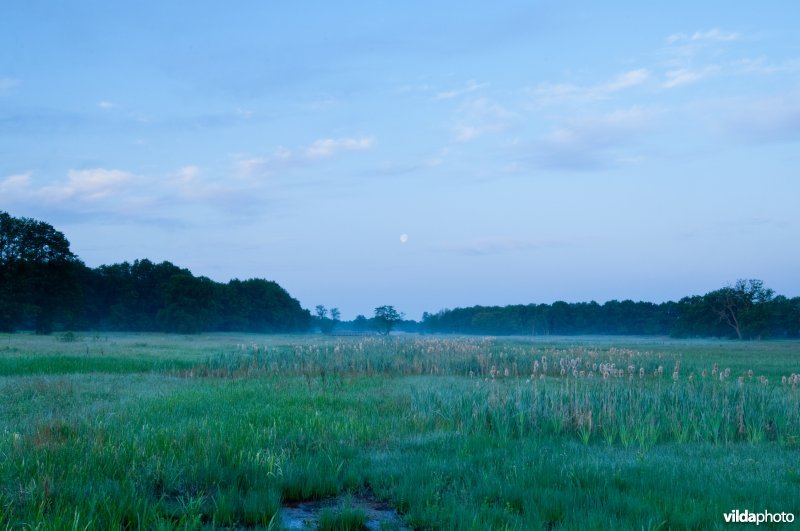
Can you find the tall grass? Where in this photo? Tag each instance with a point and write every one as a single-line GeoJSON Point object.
{"type": "Point", "coordinates": [464, 433]}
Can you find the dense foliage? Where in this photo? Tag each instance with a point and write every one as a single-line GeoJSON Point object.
{"type": "Point", "coordinates": [559, 318]}
{"type": "Point", "coordinates": [43, 286]}
{"type": "Point", "coordinates": [38, 275]}
{"type": "Point", "coordinates": [746, 310]}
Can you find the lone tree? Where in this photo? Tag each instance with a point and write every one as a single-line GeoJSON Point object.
{"type": "Point", "coordinates": [385, 319]}
{"type": "Point", "coordinates": [737, 305]}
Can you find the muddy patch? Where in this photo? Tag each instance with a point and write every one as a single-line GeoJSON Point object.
{"type": "Point", "coordinates": [343, 512]}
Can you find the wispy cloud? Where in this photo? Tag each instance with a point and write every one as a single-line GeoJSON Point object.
{"type": "Point", "coordinates": [327, 147]}
{"type": "Point", "coordinates": [422, 164]}
{"type": "Point", "coordinates": [87, 185]}
{"type": "Point", "coordinates": [690, 51]}
{"type": "Point", "coordinates": [712, 35]}
{"type": "Point", "coordinates": [280, 159]}
{"type": "Point", "coordinates": [593, 142]}
{"type": "Point", "coordinates": [187, 174]}
{"type": "Point", "coordinates": [419, 87]}
{"type": "Point", "coordinates": [250, 166]}
{"type": "Point", "coordinates": [15, 183]}
{"type": "Point", "coordinates": [244, 114]}
{"type": "Point", "coordinates": [479, 117]}
{"type": "Point", "coordinates": [88, 194]}
{"type": "Point", "coordinates": [549, 92]}
{"type": "Point", "coordinates": [283, 158]}
{"type": "Point", "coordinates": [773, 119]}
{"type": "Point", "coordinates": [689, 58]}
{"type": "Point", "coordinates": [465, 133]}
{"type": "Point", "coordinates": [190, 185]}
{"type": "Point", "coordinates": [496, 245]}
{"type": "Point", "coordinates": [762, 66]}
{"type": "Point", "coordinates": [114, 194]}
{"type": "Point", "coordinates": [470, 86]}
{"type": "Point", "coordinates": [8, 83]}
{"type": "Point", "coordinates": [105, 104]}
{"type": "Point", "coordinates": [685, 76]}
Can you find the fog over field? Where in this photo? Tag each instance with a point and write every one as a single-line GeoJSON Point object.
{"type": "Point", "coordinates": [419, 155]}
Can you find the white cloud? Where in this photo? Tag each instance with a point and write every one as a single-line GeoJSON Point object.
{"type": "Point", "coordinates": [689, 58]}
{"type": "Point", "coordinates": [117, 194]}
{"type": "Point", "coordinates": [420, 87]}
{"type": "Point", "coordinates": [685, 76]}
{"type": "Point", "coordinates": [282, 153]}
{"type": "Point", "coordinates": [602, 127]}
{"type": "Point", "coordinates": [479, 117]}
{"type": "Point", "coordinates": [187, 174]}
{"type": "Point", "coordinates": [496, 245]}
{"type": "Point", "coordinates": [548, 92]}
{"type": "Point", "coordinates": [761, 66]}
{"type": "Point", "coordinates": [592, 142]}
{"type": "Point", "coordinates": [283, 158]}
{"type": "Point", "coordinates": [712, 35]}
{"type": "Point", "coordinates": [245, 114]}
{"type": "Point", "coordinates": [684, 51]}
{"type": "Point", "coordinates": [105, 104]}
{"type": "Point", "coordinates": [253, 166]}
{"type": "Point", "coordinates": [465, 133]}
{"type": "Point", "coordinates": [15, 183]}
{"type": "Point", "coordinates": [91, 185]}
{"type": "Point", "coordinates": [626, 80]}
{"type": "Point", "coordinates": [767, 120]}
{"type": "Point", "coordinates": [327, 147]}
{"type": "Point", "coordinates": [320, 103]}
{"type": "Point", "coordinates": [471, 86]}
{"type": "Point", "coordinates": [190, 186]}
{"type": "Point", "coordinates": [248, 167]}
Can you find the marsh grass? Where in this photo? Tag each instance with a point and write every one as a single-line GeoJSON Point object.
{"type": "Point", "coordinates": [343, 517]}
{"type": "Point", "coordinates": [161, 432]}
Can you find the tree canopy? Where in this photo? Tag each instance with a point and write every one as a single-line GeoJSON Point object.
{"type": "Point", "coordinates": [386, 317]}
{"type": "Point", "coordinates": [38, 275]}
{"type": "Point", "coordinates": [43, 286]}
{"type": "Point", "coordinates": [746, 310]}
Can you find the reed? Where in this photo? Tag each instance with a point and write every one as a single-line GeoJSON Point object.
{"type": "Point", "coordinates": [455, 432]}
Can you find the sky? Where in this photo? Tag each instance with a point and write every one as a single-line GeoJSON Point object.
{"type": "Point", "coordinates": [424, 155]}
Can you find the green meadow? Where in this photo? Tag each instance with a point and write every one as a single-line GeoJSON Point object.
{"type": "Point", "coordinates": [152, 431]}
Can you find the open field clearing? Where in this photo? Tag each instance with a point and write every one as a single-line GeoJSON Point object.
{"type": "Point", "coordinates": [160, 431]}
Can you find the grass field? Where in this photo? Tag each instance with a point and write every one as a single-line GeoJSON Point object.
{"type": "Point", "coordinates": [153, 431]}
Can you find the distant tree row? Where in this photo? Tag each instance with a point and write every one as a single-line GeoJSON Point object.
{"type": "Point", "coordinates": [44, 286]}
{"type": "Point", "coordinates": [326, 319]}
{"type": "Point", "coordinates": [559, 318]}
{"type": "Point", "coordinates": [746, 310]}
{"type": "Point", "coordinates": [385, 320]}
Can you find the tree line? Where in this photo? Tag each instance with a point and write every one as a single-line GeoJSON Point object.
{"type": "Point", "coordinates": [745, 310]}
{"type": "Point", "coordinates": [383, 322]}
{"type": "Point", "coordinates": [45, 287]}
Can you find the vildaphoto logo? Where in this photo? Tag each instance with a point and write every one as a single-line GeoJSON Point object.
{"type": "Point", "coordinates": [746, 517]}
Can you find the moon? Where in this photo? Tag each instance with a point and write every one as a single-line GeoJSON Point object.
{"type": "Point", "coordinates": [403, 238]}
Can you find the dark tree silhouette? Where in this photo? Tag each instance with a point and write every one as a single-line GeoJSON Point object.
{"type": "Point", "coordinates": [386, 317]}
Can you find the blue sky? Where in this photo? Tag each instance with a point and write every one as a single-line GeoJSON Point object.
{"type": "Point", "coordinates": [529, 151]}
